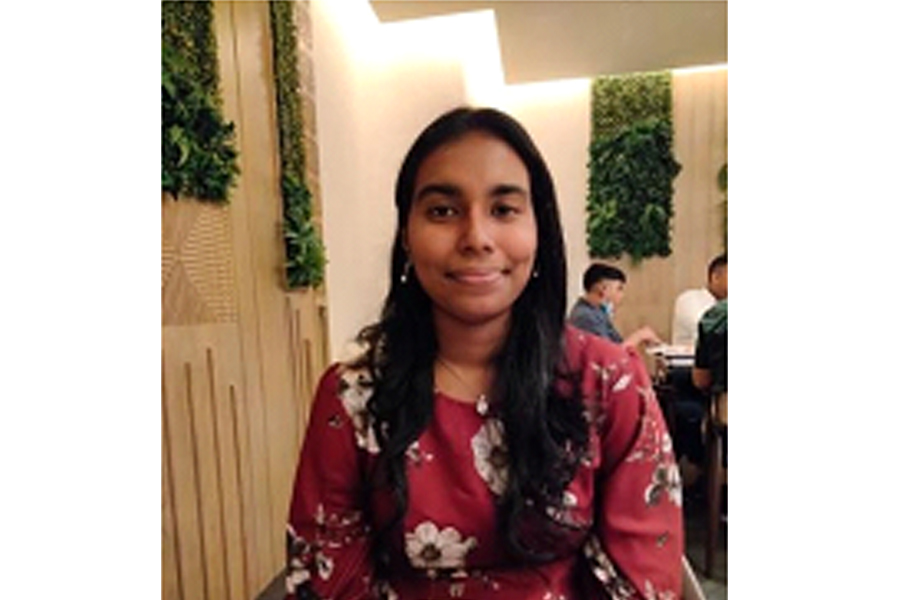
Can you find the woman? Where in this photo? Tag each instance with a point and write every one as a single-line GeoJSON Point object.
{"type": "Point", "coordinates": [479, 448]}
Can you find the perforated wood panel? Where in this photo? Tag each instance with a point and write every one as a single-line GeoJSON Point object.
{"type": "Point", "coordinates": [197, 264]}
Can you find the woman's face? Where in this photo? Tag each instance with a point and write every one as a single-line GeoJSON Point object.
{"type": "Point", "coordinates": [471, 234]}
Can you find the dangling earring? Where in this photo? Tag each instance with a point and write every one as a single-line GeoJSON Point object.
{"type": "Point", "coordinates": [534, 274]}
{"type": "Point", "coordinates": [404, 276]}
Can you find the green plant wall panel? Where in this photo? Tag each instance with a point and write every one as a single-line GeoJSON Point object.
{"type": "Point", "coordinates": [198, 154]}
{"type": "Point", "coordinates": [631, 167]}
{"type": "Point", "coordinates": [304, 250]}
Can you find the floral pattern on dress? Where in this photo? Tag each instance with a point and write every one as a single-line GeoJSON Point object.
{"type": "Point", "coordinates": [491, 457]}
{"type": "Point", "coordinates": [568, 513]}
{"type": "Point", "coordinates": [605, 571]}
{"type": "Point", "coordinates": [666, 479]}
{"type": "Point", "coordinates": [310, 559]}
{"type": "Point", "coordinates": [384, 591]}
{"type": "Point", "coordinates": [654, 444]}
{"type": "Point", "coordinates": [416, 456]}
{"type": "Point", "coordinates": [305, 559]}
{"type": "Point", "coordinates": [431, 548]}
{"type": "Point", "coordinates": [355, 389]}
{"type": "Point", "coordinates": [650, 593]}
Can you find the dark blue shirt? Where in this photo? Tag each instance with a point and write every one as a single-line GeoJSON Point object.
{"type": "Point", "coordinates": [593, 319]}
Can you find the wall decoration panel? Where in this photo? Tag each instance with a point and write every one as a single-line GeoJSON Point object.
{"type": "Point", "coordinates": [241, 356]}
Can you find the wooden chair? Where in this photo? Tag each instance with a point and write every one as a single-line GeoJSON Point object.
{"type": "Point", "coordinates": [716, 473]}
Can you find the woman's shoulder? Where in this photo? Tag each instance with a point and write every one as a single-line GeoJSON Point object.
{"type": "Point", "coordinates": [343, 378]}
{"type": "Point", "coordinates": [603, 368]}
{"type": "Point", "coordinates": [583, 348]}
{"type": "Point", "coordinates": [346, 387]}
{"type": "Point", "coordinates": [348, 371]}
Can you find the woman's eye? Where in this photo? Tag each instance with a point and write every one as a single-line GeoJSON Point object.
{"type": "Point", "coordinates": [441, 211]}
{"type": "Point", "coordinates": [504, 210]}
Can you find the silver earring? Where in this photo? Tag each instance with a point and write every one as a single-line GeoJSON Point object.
{"type": "Point", "coordinates": [534, 274]}
{"type": "Point", "coordinates": [404, 276]}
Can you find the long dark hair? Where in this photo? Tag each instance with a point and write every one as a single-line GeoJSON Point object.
{"type": "Point", "coordinates": [545, 434]}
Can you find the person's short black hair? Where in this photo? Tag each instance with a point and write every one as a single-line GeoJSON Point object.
{"type": "Point", "coordinates": [716, 263]}
{"type": "Point", "coordinates": [598, 271]}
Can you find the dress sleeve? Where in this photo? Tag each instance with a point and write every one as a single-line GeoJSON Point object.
{"type": "Point", "coordinates": [327, 536]}
{"type": "Point", "coordinates": [637, 542]}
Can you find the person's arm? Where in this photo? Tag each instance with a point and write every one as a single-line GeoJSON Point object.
{"type": "Point", "coordinates": [702, 378]}
{"type": "Point", "coordinates": [701, 375]}
{"type": "Point", "coordinates": [327, 536]}
{"type": "Point", "coordinates": [637, 541]}
{"type": "Point", "coordinates": [644, 335]}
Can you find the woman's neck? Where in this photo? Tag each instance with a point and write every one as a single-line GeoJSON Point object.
{"type": "Point", "coordinates": [464, 367]}
{"type": "Point", "coordinates": [468, 345]}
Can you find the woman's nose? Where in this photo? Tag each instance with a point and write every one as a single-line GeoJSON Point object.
{"type": "Point", "coordinates": [476, 234]}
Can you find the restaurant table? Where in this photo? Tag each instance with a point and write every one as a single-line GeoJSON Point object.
{"type": "Point", "coordinates": [671, 373]}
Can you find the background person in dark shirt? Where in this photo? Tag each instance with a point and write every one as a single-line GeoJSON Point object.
{"type": "Point", "coordinates": [710, 370]}
{"type": "Point", "coordinates": [604, 288]}
{"type": "Point", "coordinates": [711, 355]}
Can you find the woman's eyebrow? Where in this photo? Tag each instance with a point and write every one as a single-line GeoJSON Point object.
{"type": "Point", "coordinates": [441, 189]}
{"type": "Point", "coordinates": [453, 191]}
{"type": "Point", "coordinates": [506, 189]}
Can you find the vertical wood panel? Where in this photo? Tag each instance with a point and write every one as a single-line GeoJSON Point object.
{"type": "Point", "coordinates": [257, 114]}
{"type": "Point", "coordinates": [185, 495]}
{"type": "Point", "coordinates": [206, 534]}
{"type": "Point", "coordinates": [171, 567]}
{"type": "Point", "coordinates": [210, 359]}
{"type": "Point", "coordinates": [308, 353]}
{"type": "Point", "coordinates": [200, 399]}
{"type": "Point", "coordinates": [239, 436]}
{"type": "Point", "coordinates": [300, 382]}
{"type": "Point", "coordinates": [701, 136]}
{"type": "Point", "coordinates": [255, 494]}
{"type": "Point", "coordinates": [719, 133]}
{"type": "Point", "coordinates": [226, 474]}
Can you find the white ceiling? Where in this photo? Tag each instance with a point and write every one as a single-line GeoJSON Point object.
{"type": "Point", "coordinates": [556, 39]}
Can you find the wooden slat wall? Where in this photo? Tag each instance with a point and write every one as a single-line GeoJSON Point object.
{"type": "Point", "coordinates": [700, 120]}
{"type": "Point", "coordinates": [241, 356]}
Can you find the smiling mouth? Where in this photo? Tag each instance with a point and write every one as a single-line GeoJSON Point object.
{"type": "Point", "coordinates": [477, 277]}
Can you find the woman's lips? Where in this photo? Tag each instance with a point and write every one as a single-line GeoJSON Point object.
{"type": "Point", "coordinates": [476, 277]}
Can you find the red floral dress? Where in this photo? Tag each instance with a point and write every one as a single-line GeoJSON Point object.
{"type": "Point", "coordinates": [621, 512]}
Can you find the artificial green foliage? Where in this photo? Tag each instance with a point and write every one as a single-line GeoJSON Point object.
{"type": "Point", "coordinates": [630, 201]}
{"type": "Point", "coordinates": [631, 168]}
{"type": "Point", "coordinates": [619, 101]}
{"type": "Point", "coordinates": [198, 155]}
{"type": "Point", "coordinates": [304, 251]}
{"type": "Point", "coordinates": [187, 30]}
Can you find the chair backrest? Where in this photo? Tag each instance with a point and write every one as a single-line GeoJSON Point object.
{"type": "Point", "coordinates": [690, 584]}
{"type": "Point", "coordinates": [719, 408]}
